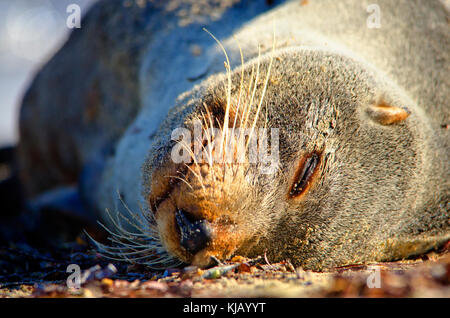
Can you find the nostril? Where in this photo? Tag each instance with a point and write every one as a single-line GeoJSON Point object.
{"type": "Point", "coordinates": [195, 234]}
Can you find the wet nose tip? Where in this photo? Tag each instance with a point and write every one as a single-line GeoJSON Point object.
{"type": "Point", "coordinates": [195, 234]}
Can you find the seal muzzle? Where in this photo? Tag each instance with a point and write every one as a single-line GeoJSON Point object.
{"type": "Point", "coordinates": [194, 234]}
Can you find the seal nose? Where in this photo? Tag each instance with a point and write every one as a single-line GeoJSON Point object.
{"type": "Point", "coordinates": [195, 234]}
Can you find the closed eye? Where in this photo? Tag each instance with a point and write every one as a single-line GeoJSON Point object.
{"type": "Point", "coordinates": [304, 175]}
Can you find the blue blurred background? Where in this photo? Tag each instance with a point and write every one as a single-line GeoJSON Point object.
{"type": "Point", "coordinates": [30, 33]}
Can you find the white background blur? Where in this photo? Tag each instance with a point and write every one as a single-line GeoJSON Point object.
{"type": "Point", "coordinates": [30, 32]}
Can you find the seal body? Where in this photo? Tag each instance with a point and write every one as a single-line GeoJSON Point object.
{"type": "Point", "coordinates": [361, 113]}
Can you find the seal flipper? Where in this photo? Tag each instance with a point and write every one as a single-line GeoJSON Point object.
{"type": "Point", "coordinates": [90, 178]}
{"type": "Point", "coordinates": [62, 200]}
{"type": "Point", "coordinates": [60, 215]}
{"type": "Point", "coordinates": [11, 194]}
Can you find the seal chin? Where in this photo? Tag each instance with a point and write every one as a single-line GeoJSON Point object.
{"type": "Point", "coordinates": [200, 240]}
{"type": "Point", "coordinates": [204, 258]}
{"type": "Point", "coordinates": [210, 255]}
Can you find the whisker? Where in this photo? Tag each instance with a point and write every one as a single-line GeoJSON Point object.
{"type": "Point", "coordinates": [241, 83]}
{"type": "Point", "coordinates": [181, 179]}
{"type": "Point", "coordinates": [264, 88]}
{"type": "Point", "coordinates": [198, 177]}
{"type": "Point", "coordinates": [143, 247]}
{"type": "Point", "coordinates": [228, 70]}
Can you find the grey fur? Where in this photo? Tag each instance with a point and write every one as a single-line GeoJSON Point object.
{"type": "Point", "coordinates": [383, 191]}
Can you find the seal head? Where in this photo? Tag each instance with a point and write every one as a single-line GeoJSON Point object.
{"type": "Point", "coordinates": [335, 188]}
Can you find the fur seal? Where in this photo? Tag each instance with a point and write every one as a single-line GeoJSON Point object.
{"type": "Point", "coordinates": [361, 113]}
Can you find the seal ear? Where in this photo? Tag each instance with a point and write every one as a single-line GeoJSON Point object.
{"type": "Point", "coordinates": [386, 114]}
